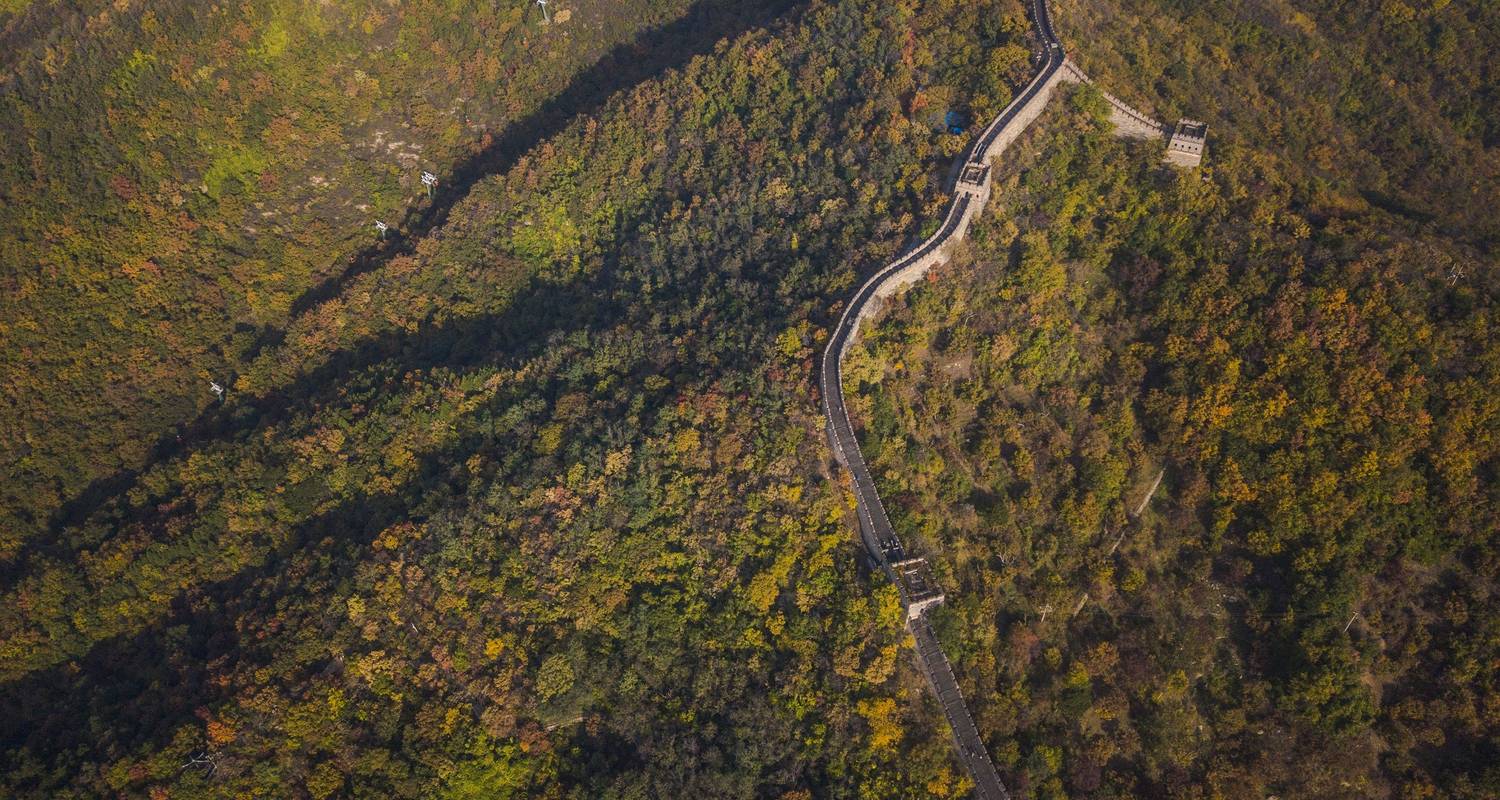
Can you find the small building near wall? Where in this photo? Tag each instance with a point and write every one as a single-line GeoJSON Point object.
{"type": "Point", "coordinates": [975, 178]}
{"type": "Point", "coordinates": [1184, 141]}
{"type": "Point", "coordinates": [1185, 148]}
{"type": "Point", "coordinates": [919, 589]}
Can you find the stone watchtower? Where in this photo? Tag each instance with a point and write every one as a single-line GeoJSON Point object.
{"type": "Point", "coordinates": [1185, 148]}
{"type": "Point", "coordinates": [919, 588]}
{"type": "Point", "coordinates": [975, 180]}
{"type": "Point", "coordinates": [974, 183]}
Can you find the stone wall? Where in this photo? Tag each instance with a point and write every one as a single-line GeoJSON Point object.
{"type": "Point", "coordinates": [917, 269]}
{"type": "Point", "coordinates": [1025, 115]}
{"type": "Point", "coordinates": [1127, 121]}
{"type": "Point", "coordinates": [968, 203]}
{"type": "Point", "coordinates": [960, 214]}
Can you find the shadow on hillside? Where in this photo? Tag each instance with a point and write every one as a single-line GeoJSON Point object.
{"type": "Point", "coordinates": [652, 53]}
{"type": "Point", "coordinates": [519, 332]}
{"type": "Point", "coordinates": [135, 690]}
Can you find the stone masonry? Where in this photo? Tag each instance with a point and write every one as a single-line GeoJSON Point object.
{"type": "Point", "coordinates": [1184, 141]}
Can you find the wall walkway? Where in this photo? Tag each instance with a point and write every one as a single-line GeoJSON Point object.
{"type": "Point", "coordinates": [971, 191]}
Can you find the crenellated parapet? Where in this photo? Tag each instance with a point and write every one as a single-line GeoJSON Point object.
{"type": "Point", "coordinates": [1185, 140]}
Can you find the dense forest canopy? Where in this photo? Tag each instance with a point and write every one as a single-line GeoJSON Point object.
{"type": "Point", "coordinates": [1308, 606]}
{"type": "Point", "coordinates": [178, 179]}
{"type": "Point", "coordinates": [531, 498]}
{"type": "Point", "coordinates": [541, 502]}
{"type": "Point", "coordinates": [1392, 104]}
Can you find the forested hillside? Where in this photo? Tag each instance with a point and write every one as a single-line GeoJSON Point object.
{"type": "Point", "coordinates": [1392, 104]}
{"type": "Point", "coordinates": [532, 497]}
{"type": "Point", "coordinates": [178, 179]}
{"type": "Point", "coordinates": [539, 505]}
{"type": "Point", "coordinates": [1308, 606]}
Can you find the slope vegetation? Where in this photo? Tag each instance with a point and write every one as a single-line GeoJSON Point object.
{"type": "Point", "coordinates": [1308, 606]}
{"type": "Point", "coordinates": [538, 506]}
{"type": "Point", "coordinates": [179, 179]}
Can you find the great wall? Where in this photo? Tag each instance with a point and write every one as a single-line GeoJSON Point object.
{"type": "Point", "coordinates": [912, 575]}
{"type": "Point", "coordinates": [1184, 140]}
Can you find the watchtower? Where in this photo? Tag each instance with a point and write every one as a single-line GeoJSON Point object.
{"type": "Point", "coordinates": [975, 179]}
{"type": "Point", "coordinates": [919, 589]}
{"type": "Point", "coordinates": [1185, 148]}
